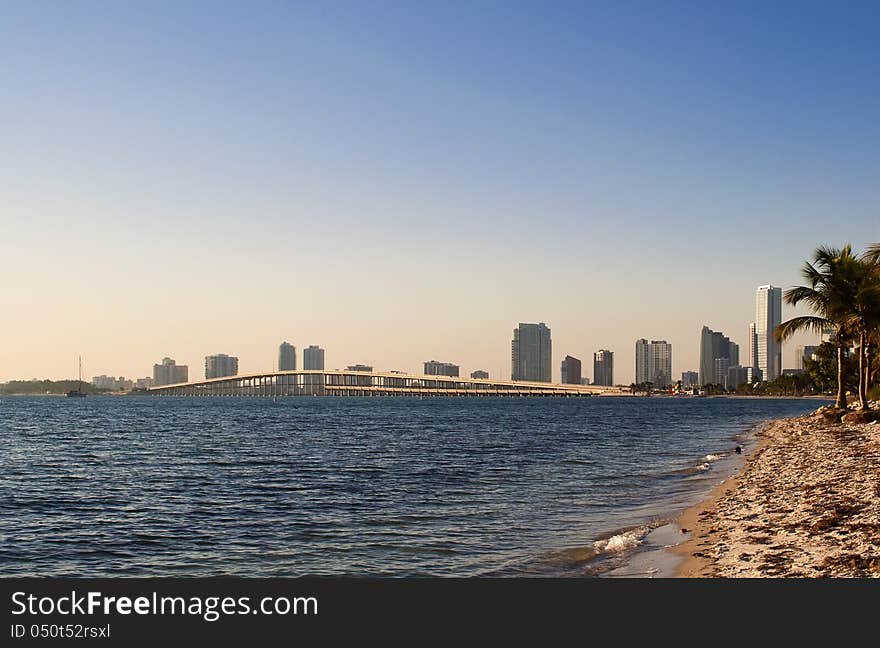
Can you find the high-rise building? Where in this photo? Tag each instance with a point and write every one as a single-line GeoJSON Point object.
{"type": "Point", "coordinates": [803, 353]}
{"type": "Point", "coordinates": [642, 361]}
{"type": "Point", "coordinates": [143, 383]}
{"type": "Point", "coordinates": [753, 347]}
{"type": "Point", "coordinates": [571, 371]}
{"type": "Point", "coordinates": [220, 365]}
{"type": "Point", "coordinates": [169, 373]}
{"type": "Point", "coordinates": [689, 378]}
{"type": "Point", "coordinates": [480, 374]}
{"type": "Point", "coordinates": [660, 363]}
{"type": "Point", "coordinates": [733, 354]}
{"type": "Point", "coordinates": [768, 315]}
{"type": "Point", "coordinates": [434, 368]}
{"type": "Point", "coordinates": [530, 353]}
{"type": "Point", "coordinates": [721, 367]}
{"type": "Point", "coordinates": [736, 376]}
{"type": "Point", "coordinates": [715, 345]}
{"type": "Point", "coordinates": [654, 362]}
{"type": "Point", "coordinates": [286, 357]}
{"type": "Point", "coordinates": [313, 358]}
{"type": "Point", "coordinates": [603, 368]}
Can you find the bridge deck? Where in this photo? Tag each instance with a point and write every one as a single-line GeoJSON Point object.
{"type": "Point", "coordinates": [357, 383]}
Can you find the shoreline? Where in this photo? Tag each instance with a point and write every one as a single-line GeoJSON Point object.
{"type": "Point", "coordinates": [805, 503]}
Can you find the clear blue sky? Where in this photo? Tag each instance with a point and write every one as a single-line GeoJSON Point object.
{"type": "Point", "coordinates": [225, 176]}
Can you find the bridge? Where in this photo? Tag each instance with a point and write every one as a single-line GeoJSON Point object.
{"type": "Point", "coordinates": [362, 383]}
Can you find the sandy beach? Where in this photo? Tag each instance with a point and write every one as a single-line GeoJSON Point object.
{"type": "Point", "coordinates": [805, 504]}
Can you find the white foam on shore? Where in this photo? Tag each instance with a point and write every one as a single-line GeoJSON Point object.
{"type": "Point", "coordinates": [713, 457]}
{"type": "Point", "coordinates": [703, 467]}
{"type": "Point", "coordinates": [622, 541]}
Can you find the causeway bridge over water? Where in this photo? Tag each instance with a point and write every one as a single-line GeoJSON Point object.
{"type": "Point", "coordinates": [362, 383]}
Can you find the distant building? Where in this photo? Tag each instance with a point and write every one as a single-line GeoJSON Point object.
{"type": "Point", "coordinates": [752, 360]}
{"type": "Point", "coordinates": [803, 353]}
{"type": "Point", "coordinates": [571, 371]}
{"type": "Point", "coordinates": [530, 353]}
{"type": "Point", "coordinates": [715, 345]}
{"type": "Point", "coordinates": [754, 375]}
{"type": "Point", "coordinates": [720, 373]}
{"type": "Point", "coordinates": [169, 373]}
{"type": "Point", "coordinates": [585, 381]}
{"type": "Point", "coordinates": [736, 376]}
{"type": "Point", "coordinates": [359, 367]}
{"type": "Point", "coordinates": [792, 372]}
{"type": "Point", "coordinates": [641, 361]}
{"type": "Point", "coordinates": [434, 368]}
{"type": "Point", "coordinates": [143, 383]}
{"type": "Point", "coordinates": [313, 358]}
{"type": "Point", "coordinates": [603, 368]}
{"type": "Point", "coordinates": [733, 353]}
{"type": "Point", "coordinates": [829, 334]}
{"type": "Point", "coordinates": [103, 382]}
{"type": "Point", "coordinates": [286, 357]}
{"type": "Point", "coordinates": [220, 365]}
{"type": "Point", "coordinates": [660, 363]}
{"type": "Point", "coordinates": [768, 315]}
{"type": "Point", "coordinates": [689, 378]}
{"type": "Point", "coordinates": [480, 374]}
{"type": "Point", "coordinates": [654, 362]}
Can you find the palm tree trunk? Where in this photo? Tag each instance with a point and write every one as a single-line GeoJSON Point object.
{"type": "Point", "coordinates": [867, 366]}
{"type": "Point", "coordinates": [841, 389]}
{"type": "Point", "coordinates": [863, 396]}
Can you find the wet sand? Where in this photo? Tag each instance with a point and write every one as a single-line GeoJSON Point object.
{"type": "Point", "coordinates": [805, 504]}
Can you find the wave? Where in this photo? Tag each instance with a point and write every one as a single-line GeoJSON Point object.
{"type": "Point", "coordinates": [713, 457]}
{"type": "Point", "coordinates": [622, 541]}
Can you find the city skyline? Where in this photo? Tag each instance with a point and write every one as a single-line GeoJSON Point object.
{"type": "Point", "coordinates": [428, 172]}
{"type": "Point", "coordinates": [289, 352]}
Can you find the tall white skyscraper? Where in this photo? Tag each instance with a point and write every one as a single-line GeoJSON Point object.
{"type": "Point", "coordinates": [768, 315]}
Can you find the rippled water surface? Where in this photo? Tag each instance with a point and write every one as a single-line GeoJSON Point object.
{"type": "Point", "coordinates": [385, 486]}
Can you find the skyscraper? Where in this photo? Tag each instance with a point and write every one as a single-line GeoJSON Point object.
{"type": "Point", "coordinates": [768, 315]}
{"type": "Point", "coordinates": [169, 373]}
{"type": "Point", "coordinates": [603, 368]}
{"type": "Point", "coordinates": [286, 357]}
{"type": "Point", "coordinates": [220, 365]}
{"type": "Point", "coordinates": [715, 345]}
{"type": "Point", "coordinates": [571, 371]}
{"type": "Point", "coordinates": [753, 347]}
{"type": "Point", "coordinates": [689, 378]}
{"type": "Point", "coordinates": [660, 363]}
{"type": "Point", "coordinates": [313, 358]}
{"type": "Point", "coordinates": [641, 361]}
{"type": "Point", "coordinates": [654, 362]}
{"type": "Point", "coordinates": [530, 353]}
{"type": "Point", "coordinates": [734, 353]}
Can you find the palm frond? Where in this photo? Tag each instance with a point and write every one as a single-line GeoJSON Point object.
{"type": "Point", "coordinates": [797, 324]}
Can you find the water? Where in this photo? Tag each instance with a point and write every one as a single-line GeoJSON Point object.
{"type": "Point", "coordinates": [139, 486]}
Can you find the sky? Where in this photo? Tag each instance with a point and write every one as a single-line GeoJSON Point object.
{"type": "Point", "coordinates": [398, 182]}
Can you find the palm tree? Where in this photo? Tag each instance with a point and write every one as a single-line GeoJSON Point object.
{"type": "Point", "coordinates": [872, 313]}
{"type": "Point", "coordinates": [833, 281]}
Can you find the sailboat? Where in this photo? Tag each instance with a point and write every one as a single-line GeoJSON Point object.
{"type": "Point", "coordinates": [78, 392]}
